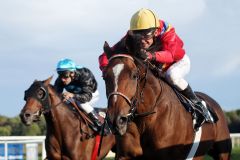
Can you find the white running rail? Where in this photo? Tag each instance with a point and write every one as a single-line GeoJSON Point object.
{"type": "Point", "coordinates": [235, 139]}
{"type": "Point", "coordinates": [41, 140]}
{"type": "Point", "coordinates": [22, 140]}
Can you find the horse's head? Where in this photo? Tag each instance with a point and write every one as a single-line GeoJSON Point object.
{"type": "Point", "coordinates": [121, 79]}
{"type": "Point", "coordinates": [37, 101]}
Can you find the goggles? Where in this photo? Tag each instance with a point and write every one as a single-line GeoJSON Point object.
{"type": "Point", "coordinates": [64, 74]}
{"type": "Point", "coordinates": [143, 35]}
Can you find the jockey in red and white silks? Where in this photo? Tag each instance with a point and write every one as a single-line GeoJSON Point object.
{"type": "Point", "coordinates": [156, 41]}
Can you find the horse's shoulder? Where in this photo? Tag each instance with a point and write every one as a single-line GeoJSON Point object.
{"type": "Point", "coordinates": [65, 111]}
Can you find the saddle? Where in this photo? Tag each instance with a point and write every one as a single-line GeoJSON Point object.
{"type": "Point", "coordinates": [197, 114]}
{"type": "Point", "coordinates": [190, 107]}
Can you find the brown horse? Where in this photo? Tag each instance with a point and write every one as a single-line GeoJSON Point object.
{"type": "Point", "coordinates": [68, 136]}
{"type": "Point", "coordinates": [149, 120]}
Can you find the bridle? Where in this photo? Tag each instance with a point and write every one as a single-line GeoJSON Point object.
{"type": "Point", "coordinates": [44, 99]}
{"type": "Point", "coordinates": [132, 102]}
{"type": "Point", "coordinates": [47, 105]}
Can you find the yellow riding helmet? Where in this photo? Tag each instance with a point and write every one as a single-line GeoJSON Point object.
{"type": "Point", "coordinates": [144, 19]}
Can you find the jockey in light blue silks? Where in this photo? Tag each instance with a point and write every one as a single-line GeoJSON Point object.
{"type": "Point", "coordinates": [80, 85]}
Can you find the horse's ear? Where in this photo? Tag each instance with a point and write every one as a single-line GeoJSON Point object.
{"type": "Point", "coordinates": [107, 49]}
{"type": "Point", "coordinates": [47, 81]}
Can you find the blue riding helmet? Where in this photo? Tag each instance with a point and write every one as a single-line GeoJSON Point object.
{"type": "Point", "coordinates": [66, 65]}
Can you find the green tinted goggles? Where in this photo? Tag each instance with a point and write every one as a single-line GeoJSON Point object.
{"type": "Point", "coordinates": [64, 74]}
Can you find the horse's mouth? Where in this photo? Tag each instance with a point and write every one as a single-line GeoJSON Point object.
{"type": "Point", "coordinates": [121, 131]}
{"type": "Point", "coordinates": [121, 125]}
{"type": "Point", "coordinates": [118, 126]}
{"type": "Point", "coordinates": [28, 118]}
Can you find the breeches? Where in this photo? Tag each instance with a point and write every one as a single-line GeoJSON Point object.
{"type": "Point", "coordinates": [87, 107]}
{"type": "Point", "coordinates": [176, 72]}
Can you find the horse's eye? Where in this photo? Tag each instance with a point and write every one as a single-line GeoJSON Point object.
{"type": "Point", "coordinates": [134, 75]}
{"type": "Point", "coordinates": [40, 94]}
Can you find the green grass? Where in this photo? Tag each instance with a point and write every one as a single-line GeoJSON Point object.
{"type": "Point", "coordinates": [235, 153]}
{"type": "Point", "coordinates": [234, 156]}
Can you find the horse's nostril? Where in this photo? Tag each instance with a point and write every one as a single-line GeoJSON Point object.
{"type": "Point", "coordinates": [123, 120]}
{"type": "Point", "coordinates": [27, 115]}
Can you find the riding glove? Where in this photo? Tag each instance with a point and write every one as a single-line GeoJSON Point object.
{"type": "Point", "coordinates": [144, 55]}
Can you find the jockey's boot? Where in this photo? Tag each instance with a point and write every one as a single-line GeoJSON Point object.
{"type": "Point", "coordinates": [94, 117]}
{"type": "Point", "coordinates": [199, 104]}
{"type": "Point", "coordinates": [203, 106]}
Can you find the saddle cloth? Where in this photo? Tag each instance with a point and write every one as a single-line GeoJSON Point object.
{"type": "Point", "coordinates": [191, 108]}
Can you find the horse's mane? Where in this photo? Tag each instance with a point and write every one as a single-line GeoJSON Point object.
{"type": "Point", "coordinates": [54, 90]}
{"type": "Point", "coordinates": [146, 66]}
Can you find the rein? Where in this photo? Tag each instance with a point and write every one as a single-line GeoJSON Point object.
{"type": "Point", "coordinates": [85, 118]}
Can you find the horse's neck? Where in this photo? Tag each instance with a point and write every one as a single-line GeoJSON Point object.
{"type": "Point", "coordinates": [53, 121]}
{"type": "Point", "coordinates": [163, 93]}
{"type": "Point", "coordinates": [160, 98]}
{"type": "Point", "coordinates": [54, 97]}
{"type": "Point", "coordinates": [58, 113]}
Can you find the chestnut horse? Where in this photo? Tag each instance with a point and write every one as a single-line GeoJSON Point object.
{"type": "Point", "coordinates": [68, 137]}
{"type": "Point", "coordinates": [149, 120]}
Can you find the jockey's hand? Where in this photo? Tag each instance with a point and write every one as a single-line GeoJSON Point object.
{"type": "Point", "coordinates": [67, 96]}
{"type": "Point", "coordinates": [144, 55]}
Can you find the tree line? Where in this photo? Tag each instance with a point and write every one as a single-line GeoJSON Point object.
{"type": "Point", "coordinates": [14, 126]}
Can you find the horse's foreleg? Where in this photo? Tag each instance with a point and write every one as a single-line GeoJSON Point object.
{"type": "Point", "coordinates": [221, 150]}
{"type": "Point", "coordinates": [53, 149]}
{"type": "Point", "coordinates": [53, 156]}
{"type": "Point", "coordinates": [225, 156]}
{"type": "Point", "coordinates": [65, 158]}
{"type": "Point", "coordinates": [221, 156]}
{"type": "Point", "coordinates": [128, 145]}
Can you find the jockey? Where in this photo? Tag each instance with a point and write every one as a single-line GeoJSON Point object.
{"type": "Point", "coordinates": [156, 41]}
{"type": "Point", "coordinates": [80, 85]}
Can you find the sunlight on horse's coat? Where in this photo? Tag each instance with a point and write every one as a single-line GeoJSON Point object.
{"type": "Point", "coordinates": [167, 134]}
{"type": "Point", "coordinates": [116, 71]}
